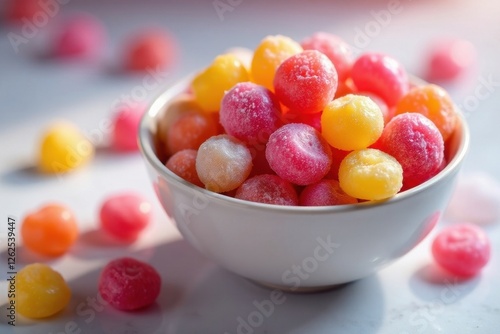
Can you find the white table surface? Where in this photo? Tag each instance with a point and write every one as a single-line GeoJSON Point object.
{"type": "Point", "coordinates": [197, 295]}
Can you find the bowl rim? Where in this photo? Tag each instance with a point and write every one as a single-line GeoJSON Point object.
{"type": "Point", "coordinates": [146, 146]}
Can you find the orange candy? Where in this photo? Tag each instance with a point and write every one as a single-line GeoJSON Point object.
{"type": "Point", "coordinates": [50, 231]}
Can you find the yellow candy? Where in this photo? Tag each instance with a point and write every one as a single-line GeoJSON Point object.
{"type": "Point", "coordinates": [63, 149]}
{"type": "Point", "coordinates": [352, 122]}
{"type": "Point", "coordinates": [370, 174]}
{"type": "Point", "coordinates": [269, 55]}
{"type": "Point", "coordinates": [40, 291]}
{"type": "Point", "coordinates": [210, 85]}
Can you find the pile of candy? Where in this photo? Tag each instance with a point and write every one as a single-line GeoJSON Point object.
{"type": "Point", "coordinates": [306, 124]}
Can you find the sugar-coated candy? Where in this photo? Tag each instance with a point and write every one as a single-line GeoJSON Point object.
{"type": "Point", "coordinates": [64, 148]}
{"type": "Point", "coordinates": [306, 82]}
{"type": "Point", "coordinates": [370, 174]}
{"type": "Point", "coordinates": [40, 291]}
{"type": "Point", "coordinates": [335, 48]}
{"type": "Point", "coordinates": [245, 55]}
{"type": "Point", "coordinates": [210, 85]}
{"type": "Point", "coordinates": [433, 102]}
{"type": "Point", "coordinates": [323, 193]}
{"type": "Point", "coordinates": [51, 230]}
{"type": "Point", "coordinates": [125, 215]}
{"type": "Point", "coordinates": [20, 10]}
{"type": "Point", "coordinates": [476, 199]}
{"type": "Point", "coordinates": [269, 189]}
{"type": "Point", "coordinates": [449, 59]}
{"type": "Point", "coordinates": [250, 112]}
{"type": "Point", "coordinates": [223, 163]}
{"type": "Point", "coordinates": [345, 87]}
{"type": "Point", "coordinates": [462, 249]}
{"type": "Point", "coordinates": [387, 112]}
{"type": "Point", "coordinates": [313, 120]}
{"type": "Point", "coordinates": [79, 36]}
{"type": "Point", "coordinates": [352, 122]}
{"type": "Point", "coordinates": [269, 55]}
{"type": "Point", "coordinates": [417, 145]}
{"type": "Point", "coordinates": [183, 164]}
{"type": "Point", "coordinates": [126, 122]}
{"type": "Point", "coordinates": [299, 154]}
{"type": "Point", "coordinates": [128, 284]}
{"type": "Point", "coordinates": [382, 75]}
{"type": "Point", "coordinates": [153, 49]}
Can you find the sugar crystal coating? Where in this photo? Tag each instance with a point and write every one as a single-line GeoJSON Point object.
{"type": "Point", "coordinates": [269, 189]}
{"type": "Point", "coordinates": [183, 164]}
{"type": "Point", "coordinates": [325, 192]}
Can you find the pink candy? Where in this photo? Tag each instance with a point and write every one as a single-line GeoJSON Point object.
{"type": "Point", "coordinates": [448, 59]}
{"type": "Point", "coordinates": [153, 50]}
{"type": "Point", "coordinates": [325, 192]}
{"type": "Point", "coordinates": [270, 189]}
{"type": "Point", "coordinates": [126, 127]}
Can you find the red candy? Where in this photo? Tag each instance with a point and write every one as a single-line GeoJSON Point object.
{"type": "Point", "coordinates": [128, 284]}
{"type": "Point", "coordinates": [381, 75]}
{"type": "Point", "coordinates": [269, 189]}
{"type": "Point", "coordinates": [20, 10]}
{"type": "Point", "coordinates": [125, 127]}
{"type": "Point", "coordinates": [153, 50]}
{"type": "Point", "coordinates": [183, 164]}
{"type": "Point", "coordinates": [299, 154]}
{"type": "Point", "coordinates": [250, 113]}
{"type": "Point", "coordinates": [325, 192]}
{"type": "Point", "coordinates": [306, 82]}
{"type": "Point", "coordinates": [462, 249]}
{"type": "Point", "coordinates": [417, 145]}
{"type": "Point", "coordinates": [125, 215]}
{"type": "Point", "coordinates": [449, 59]}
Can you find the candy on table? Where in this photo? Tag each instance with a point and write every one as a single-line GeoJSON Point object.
{"type": "Point", "coordinates": [21, 10]}
{"type": "Point", "coordinates": [40, 291]}
{"type": "Point", "coordinates": [325, 192]}
{"type": "Point", "coordinates": [210, 85]}
{"type": "Point", "coordinates": [183, 164]}
{"type": "Point", "coordinates": [250, 112]}
{"type": "Point", "coordinates": [417, 145]}
{"type": "Point", "coordinates": [433, 102]}
{"type": "Point", "coordinates": [306, 82]}
{"type": "Point", "coordinates": [381, 75]}
{"type": "Point", "coordinates": [370, 174]}
{"type": "Point", "coordinates": [462, 249]}
{"type": "Point", "coordinates": [299, 154]}
{"type": "Point", "coordinates": [335, 48]}
{"type": "Point", "coordinates": [269, 55]}
{"type": "Point", "coordinates": [223, 163]}
{"type": "Point", "coordinates": [82, 35]}
{"type": "Point", "coordinates": [352, 122]}
{"type": "Point", "coordinates": [63, 148]}
{"type": "Point", "coordinates": [126, 126]}
{"type": "Point", "coordinates": [476, 199]}
{"type": "Point", "coordinates": [152, 49]}
{"type": "Point", "coordinates": [50, 231]}
{"type": "Point", "coordinates": [269, 189]}
{"type": "Point", "coordinates": [128, 284]}
{"type": "Point", "coordinates": [448, 59]}
{"type": "Point", "coordinates": [125, 215]}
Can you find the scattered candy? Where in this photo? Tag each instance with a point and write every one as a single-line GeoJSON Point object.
{"type": "Point", "coordinates": [40, 291]}
{"type": "Point", "coordinates": [50, 231]}
{"type": "Point", "coordinates": [150, 50]}
{"type": "Point", "coordinates": [183, 164]}
{"type": "Point", "coordinates": [126, 126]}
{"type": "Point", "coordinates": [269, 189]}
{"type": "Point", "coordinates": [128, 284]}
{"type": "Point", "coordinates": [462, 249]}
{"type": "Point", "coordinates": [125, 215]}
{"type": "Point", "coordinates": [63, 149]}
{"type": "Point", "coordinates": [21, 10]}
{"type": "Point", "coordinates": [325, 192]}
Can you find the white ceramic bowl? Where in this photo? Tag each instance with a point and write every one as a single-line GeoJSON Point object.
{"type": "Point", "coordinates": [299, 248]}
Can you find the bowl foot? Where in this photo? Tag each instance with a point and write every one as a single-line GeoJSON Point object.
{"type": "Point", "coordinates": [300, 289]}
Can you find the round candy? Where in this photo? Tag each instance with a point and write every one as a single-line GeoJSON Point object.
{"type": "Point", "coordinates": [269, 189]}
{"type": "Point", "coordinates": [210, 85]}
{"type": "Point", "coordinates": [250, 113]}
{"type": "Point", "coordinates": [381, 75]}
{"type": "Point", "coordinates": [125, 215]}
{"type": "Point", "coordinates": [338, 51]}
{"type": "Point", "coordinates": [387, 112]}
{"type": "Point", "coordinates": [128, 284]}
{"type": "Point", "coordinates": [150, 50]}
{"type": "Point", "coordinates": [352, 122]}
{"type": "Point", "coordinates": [183, 164]}
{"type": "Point", "coordinates": [324, 193]}
{"type": "Point", "coordinates": [449, 59]}
{"type": "Point", "coordinates": [20, 10]}
{"type": "Point", "coordinates": [434, 103]}
{"type": "Point", "coordinates": [223, 163]}
{"type": "Point", "coordinates": [313, 120]}
{"type": "Point", "coordinates": [306, 82]}
{"type": "Point", "coordinates": [370, 174]}
{"type": "Point", "coordinates": [126, 127]}
{"type": "Point", "coordinates": [269, 55]}
{"type": "Point", "coordinates": [417, 145]}
{"type": "Point", "coordinates": [462, 249]}
{"type": "Point", "coordinates": [63, 149]}
{"type": "Point", "coordinates": [298, 153]}
{"type": "Point", "coordinates": [50, 231]}
{"type": "Point", "coordinates": [40, 291]}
